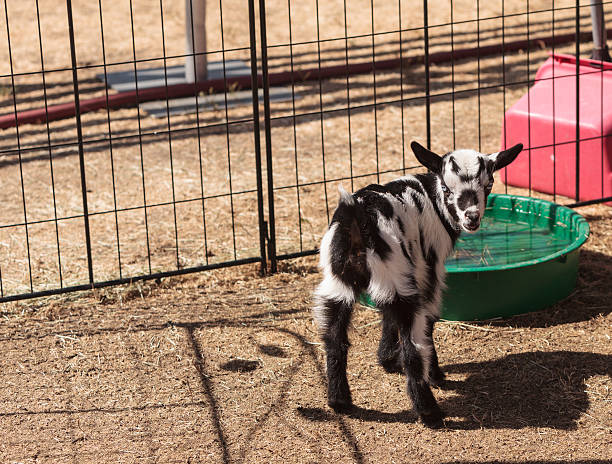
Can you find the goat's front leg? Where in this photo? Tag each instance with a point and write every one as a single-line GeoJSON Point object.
{"type": "Point", "coordinates": [335, 337]}
{"type": "Point", "coordinates": [425, 405]}
{"type": "Point", "coordinates": [436, 376]}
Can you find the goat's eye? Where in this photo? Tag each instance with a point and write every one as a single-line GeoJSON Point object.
{"type": "Point", "coordinates": [444, 188]}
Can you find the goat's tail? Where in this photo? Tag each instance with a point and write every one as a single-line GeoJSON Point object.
{"type": "Point", "coordinates": [350, 240]}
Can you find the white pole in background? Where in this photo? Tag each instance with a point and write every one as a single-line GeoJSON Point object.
{"type": "Point", "coordinates": [600, 46]}
{"type": "Point", "coordinates": [195, 33]}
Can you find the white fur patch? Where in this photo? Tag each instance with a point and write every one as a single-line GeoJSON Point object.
{"type": "Point", "coordinates": [421, 342]}
{"type": "Point", "coordinates": [345, 197]}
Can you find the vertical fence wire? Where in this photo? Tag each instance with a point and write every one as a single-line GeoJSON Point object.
{"type": "Point", "coordinates": [529, 98]}
{"type": "Point", "coordinates": [348, 95]}
{"type": "Point", "coordinates": [427, 86]}
{"type": "Point", "coordinates": [227, 129]}
{"type": "Point", "coordinates": [554, 115]}
{"type": "Point", "coordinates": [79, 128]}
{"type": "Point", "coordinates": [452, 41]}
{"type": "Point", "coordinates": [320, 106]}
{"type": "Point", "coordinates": [199, 134]}
{"type": "Point", "coordinates": [401, 79]}
{"type": "Point", "coordinates": [110, 139]}
{"type": "Point", "coordinates": [18, 139]}
{"type": "Point", "coordinates": [374, 91]}
{"type": "Point", "coordinates": [52, 174]}
{"type": "Point", "coordinates": [601, 93]}
{"type": "Point", "coordinates": [294, 121]}
{"type": "Point", "coordinates": [505, 129]}
{"type": "Point", "coordinates": [171, 159]}
{"type": "Point", "coordinates": [577, 100]}
{"type": "Point", "coordinates": [138, 118]}
{"type": "Point", "coordinates": [478, 74]}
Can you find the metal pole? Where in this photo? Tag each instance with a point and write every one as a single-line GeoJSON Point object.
{"type": "Point", "coordinates": [600, 46]}
{"type": "Point", "coordinates": [263, 232]}
{"type": "Point", "coordinates": [195, 33]}
{"type": "Point", "coordinates": [268, 134]}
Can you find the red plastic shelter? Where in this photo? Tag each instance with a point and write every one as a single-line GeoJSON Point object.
{"type": "Point", "coordinates": [544, 120]}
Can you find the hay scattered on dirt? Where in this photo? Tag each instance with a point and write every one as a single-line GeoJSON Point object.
{"type": "Point", "coordinates": [227, 365]}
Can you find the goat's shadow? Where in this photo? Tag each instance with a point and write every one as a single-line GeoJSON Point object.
{"type": "Point", "coordinates": [535, 389]}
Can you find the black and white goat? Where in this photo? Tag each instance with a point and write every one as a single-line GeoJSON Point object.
{"type": "Point", "coordinates": [392, 240]}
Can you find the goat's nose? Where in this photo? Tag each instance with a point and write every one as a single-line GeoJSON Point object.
{"type": "Point", "coordinates": [473, 216]}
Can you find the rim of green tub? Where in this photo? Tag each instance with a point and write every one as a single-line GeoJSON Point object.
{"type": "Point", "coordinates": [533, 207]}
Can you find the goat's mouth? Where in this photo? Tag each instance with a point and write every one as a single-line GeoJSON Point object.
{"type": "Point", "coordinates": [470, 226]}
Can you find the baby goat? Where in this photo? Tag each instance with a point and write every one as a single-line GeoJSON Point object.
{"type": "Point", "coordinates": [392, 240]}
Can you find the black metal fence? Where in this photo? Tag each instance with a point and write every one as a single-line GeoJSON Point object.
{"type": "Point", "coordinates": [104, 184]}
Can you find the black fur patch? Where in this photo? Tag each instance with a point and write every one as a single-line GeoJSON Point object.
{"type": "Point", "coordinates": [374, 201]}
{"type": "Point", "coordinates": [407, 255]}
{"type": "Point", "coordinates": [397, 188]}
{"type": "Point", "coordinates": [428, 181]}
{"type": "Point", "coordinates": [415, 185]}
{"type": "Point", "coordinates": [424, 248]}
{"type": "Point", "coordinates": [418, 201]}
{"type": "Point", "coordinates": [400, 225]}
{"type": "Point", "coordinates": [466, 199]}
{"type": "Point", "coordinates": [366, 213]}
{"type": "Point", "coordinates": [453, 164]}
{"type": "Point", "coordinates": [481, 166]}
{"type": "Point", "coordinates": [453, 212]}
{"type": "Point", "coordinates": [432, 276]}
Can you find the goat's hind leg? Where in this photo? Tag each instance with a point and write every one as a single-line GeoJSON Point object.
{"type": "Point", "coordinates": [425, 405]}
{"type": "Point", "coordinates": [389, 352]}
{"type": "Point", "coordinates": [336, 316]}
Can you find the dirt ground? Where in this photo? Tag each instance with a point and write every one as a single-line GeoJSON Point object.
{"type": "Point", "coordinates": [226, 365]}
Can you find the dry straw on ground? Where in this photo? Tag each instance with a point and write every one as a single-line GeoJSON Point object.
{"type": "Point", "coordinates": [226, 366]}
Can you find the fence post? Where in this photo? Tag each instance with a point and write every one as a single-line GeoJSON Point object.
{"type": "Point", "coordinates": [268, 135]}
{"type": "Point", "coordinates": [75, 85]}
{"type": "Point", "coordinates": [256, 137]}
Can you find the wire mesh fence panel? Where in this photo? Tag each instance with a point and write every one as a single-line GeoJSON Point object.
{"type": "Point", "coordinates": [111, 189]}
{"type": "Point", "coordinates": [152, 174]}
{"type": "Point", "coordinates": [367, 77]}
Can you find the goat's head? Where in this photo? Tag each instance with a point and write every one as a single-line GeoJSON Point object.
{"type": "Point", "coordinates": [465, 179]}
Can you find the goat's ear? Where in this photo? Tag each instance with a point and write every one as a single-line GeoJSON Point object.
{"type": "Point", "coordinates": [427, 158]}
{"type": "Point", "coordinates": [504, 158]}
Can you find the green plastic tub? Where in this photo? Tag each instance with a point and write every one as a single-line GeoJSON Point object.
{"type": "Point", "coordinates": [524, 258]}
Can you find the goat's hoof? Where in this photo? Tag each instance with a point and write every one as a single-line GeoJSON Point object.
{"type": "Point", "coordinates": [392, 366]}
{"type": "Point", "coordinates": [436, 377]}
{"type": "Point", "coordinates": [433, 419]}
{"type": "Point", "coordinates": [340, 406]}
